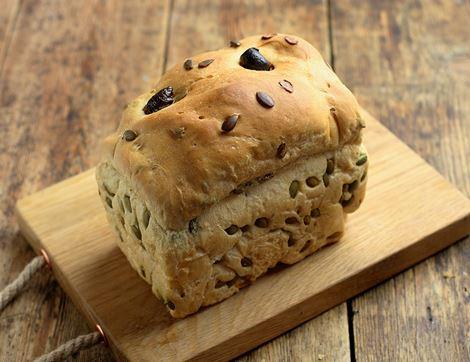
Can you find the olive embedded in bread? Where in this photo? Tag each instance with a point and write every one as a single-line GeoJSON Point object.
{"type": "Point", "coordinates": [163, 98]}
{"type": "Point", "coordinates": [253, 59]}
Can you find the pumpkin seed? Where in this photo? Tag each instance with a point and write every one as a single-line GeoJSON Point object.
{"type": "Point", "coordinates": [286, 85]}
{"type": "Point", "coordinates": [146, 218]}
{"type": "Point", "coordinates": [362, 159]}
{"type": "Point", "coordinates": [127, 203]}
{"type": "Point", "coordinates": [230, 123]}
{"type": "Point", "coordinates": [281, 151]}
{"type": "Point", "coordinates": [188, 64]}
{"type": "Point", "coordinates": [330, 166]}
{"type": "Point", "coordinates": [294, 189]}
{"type": "Point", "coordinates": [364, 175]}
{"type": "Point", "coordinates": [312, 181]}
{"type": "Point", "coordinates": [205, 63]}
{"type": "Point", "coordinates": [193, 226]}
{"type": "Point", "coordinates": [262, 222]}
{"type": "Point", "coordinates": [290, 40]}
{"type": "Point", "coordinates": [326, 179]}
{"type": "Point", "coordinates": [246, 262]}
{"type": "Point", "coordinates": [136, 231]}
{"type": "Point", "coordinates": [234, 43]}
{"type": "Point", "coordinates": [121, 206]}
{"type": "Point", "coordinates": [315, 212]}
{"type": "Point", "coordinates": [170, 305]}
{"type": "Point", "coordinates": [232, 229]}
{"type": "Point", "coordinates": [129, 135]}
{"type": "Point", "coordinates": [292, 220]}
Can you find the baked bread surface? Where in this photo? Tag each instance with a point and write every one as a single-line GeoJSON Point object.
{"type": "Point", "coordinates": [181, 162]}
{"type": "Point", "coordinates": [201, 212]}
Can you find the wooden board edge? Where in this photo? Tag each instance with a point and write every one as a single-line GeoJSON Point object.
{"type": "Point", "coordinates": [79, 303]}
{"type": "Point", "coordinates": [358, 283]}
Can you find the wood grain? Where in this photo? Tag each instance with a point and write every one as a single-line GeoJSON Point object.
{"type": "Point", "coordinates": [70, 68]}
{"type": "Point", "coordinates": [394, 228]}
{"type": "Point", "coordinates": [409, 63]}
{"type": "Point", "coordinates": [8, 16]}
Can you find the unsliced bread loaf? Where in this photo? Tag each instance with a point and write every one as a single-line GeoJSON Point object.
{"type": "Point", "coordinates": [238, 160]}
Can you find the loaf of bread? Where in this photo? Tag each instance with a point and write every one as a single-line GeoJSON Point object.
{"type": "Point", "coordinates": [239, 159]}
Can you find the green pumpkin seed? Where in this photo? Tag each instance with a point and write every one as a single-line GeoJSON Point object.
{"type": "Point", "coordinates": [312, 181]}
{"type": "Point", "coordinates": [146, 218]}
{"type": "Point", "coordinates": [294, 188]}
{"type": "Point", "coordinates": [362, 159]}
{"type": "Point", "coordinates": [127, 203]}
{"type": "Point", "coordinates": [330, 166]}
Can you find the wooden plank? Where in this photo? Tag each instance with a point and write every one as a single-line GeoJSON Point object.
{"type": "Point", "coordinates": [8, 16]}
{"type": "Point", "coordinates": [397, 225]}
{"type": "Point", "coordinates": [203, 25]}
{"type": "Point", "coordinates": [70, 68]}
{"type": "Point", "coordinates": [408, 62]}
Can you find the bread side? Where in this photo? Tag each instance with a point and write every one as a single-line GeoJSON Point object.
{"type": "Point", "coordinates": [278, 219]}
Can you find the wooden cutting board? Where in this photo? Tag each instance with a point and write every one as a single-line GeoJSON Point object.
{"type": "Point", "coordinates": [410, 212]}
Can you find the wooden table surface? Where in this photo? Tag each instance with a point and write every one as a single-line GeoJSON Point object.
{"type": "Point", "coordinates": [67, 68]}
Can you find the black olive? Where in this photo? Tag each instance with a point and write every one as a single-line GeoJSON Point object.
{"type": "Point", "coordinates": [253, 59]}
{"type": "Point", "coordinates": [163, 98]}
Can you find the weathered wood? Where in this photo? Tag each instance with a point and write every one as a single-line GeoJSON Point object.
{"type": "Point", "coordinates": [204, 25]}
{"type": "Point", "coordinates": [408, 62]}
{"type": "Point", "coordinates": [100, 280]}
{"type": "Point", "coordinates": [8, 14]}
{"type": "Point", "coordinates": [70, 68]}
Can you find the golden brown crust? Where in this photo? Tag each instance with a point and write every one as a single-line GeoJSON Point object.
{"type": "Point", "coordinates": [181, 162]}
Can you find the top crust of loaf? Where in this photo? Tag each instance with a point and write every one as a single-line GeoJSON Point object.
{"type": "Point", "coordinates": [181, 162]}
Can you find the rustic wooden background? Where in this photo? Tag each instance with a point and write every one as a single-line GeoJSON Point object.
{"type": "Point", "coordinates": [67, 68]}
